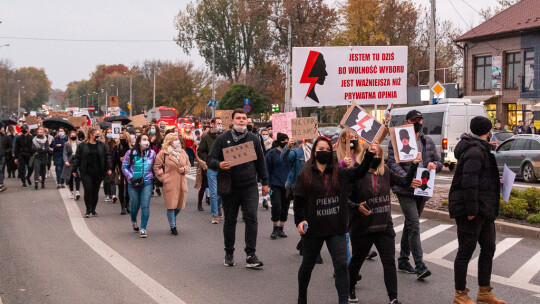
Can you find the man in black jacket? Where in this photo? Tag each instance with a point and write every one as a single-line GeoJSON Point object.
{"type": "Point", "coordinates": [5, 150]}
{"type": "Point", "coordinates": [412, 206]}
{"type": "Point", "coordinates": [22, 151]}
{"type": "Point", "coordinates": [474, 204]}
{"type": "Point", "coordinates": [244, 189]}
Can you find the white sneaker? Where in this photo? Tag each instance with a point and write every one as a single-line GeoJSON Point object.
{"type": "Point", "coordinates": [215, 219]}
{"type": "Point", "coordinates": [72, 195]}
{"type": "Point", "coordinates": [142, 234]}
{"type": "Point", "coordinates": [77, 195]}
{"type": "Point", "coordinates": [107, 199]}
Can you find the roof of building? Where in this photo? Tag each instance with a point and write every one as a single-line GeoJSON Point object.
{"type": "Point", "coordinates": [522, 16]}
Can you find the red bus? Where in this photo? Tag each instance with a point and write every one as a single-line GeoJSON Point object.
{"type": "Point", "coordinates": [168, 115]}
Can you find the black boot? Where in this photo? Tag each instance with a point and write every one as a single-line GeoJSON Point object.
{"type": "Point", "coordinates": [274, 234]}
{"type": "Point", "coordinates": [42, 185]}
{"type": "Point", "coordinates": [300, 247]}
{"type": "Point", "coordinates": [265, 204]}
{"type": "Point", "coordinates": [199, 206]}
{"type": "Point", "coordinates": [281, 233]}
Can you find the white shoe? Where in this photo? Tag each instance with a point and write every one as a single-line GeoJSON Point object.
{"type": "Point", "coordinates": [72, 195]}
{"type": "Point", "coordinates": [77, 195]}
{"type": "Point", "coordinates": [142, 234]}
{"type": "Point", "coordinates": [107, 199]}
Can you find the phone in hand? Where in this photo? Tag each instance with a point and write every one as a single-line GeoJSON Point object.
{"type": "Point", "coordinates": [305, 227]}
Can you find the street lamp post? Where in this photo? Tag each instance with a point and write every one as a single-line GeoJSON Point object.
{"type": "Point", "coordinates": [18, 99]}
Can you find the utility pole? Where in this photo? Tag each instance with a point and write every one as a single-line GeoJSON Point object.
{"type": "Point", "coordinates": [106, 102]}
{"type": "Point", "coordinates": [213, 79]}
{"type": "Point", "coordinates": [18, 100]}
{"type": "Point", "coordinates": [131, 95]}
{"type": "Point", "coordinates": [288, 72]}
{"type": "Point", "coordinates": [432, 52]}
{"type": "Point", "coordinates": [154, 100]}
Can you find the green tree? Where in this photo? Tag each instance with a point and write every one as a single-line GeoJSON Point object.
{"type": "Point", "coordinates": [36, 87]}
{"type": "Point", "coordinates": [234, 98]}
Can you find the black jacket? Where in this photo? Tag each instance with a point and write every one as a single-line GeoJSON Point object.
{"type": "Point", "coordinates": [80, 161]}
{"type": "Point", "coordinates": [5, 142]}
{"type": "Point", "coordinates": [475, 187]}
{"type": "Point", "coordinates": [119, 151]}
{"type": "Point", "coordinates": [241, 175]}
{"type": "Point", "coordinates": [23, 146]}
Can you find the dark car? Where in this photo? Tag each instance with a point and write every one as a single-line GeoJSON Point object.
{"type": "Point", "coordinates": [521, 154]}
{"type": "Point", "coordinates": [500, 136]}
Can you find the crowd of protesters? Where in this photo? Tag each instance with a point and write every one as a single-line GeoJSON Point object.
{"type": "Point", "coordinates": [340, 192]}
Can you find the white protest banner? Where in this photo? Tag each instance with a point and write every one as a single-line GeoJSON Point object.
{"type": "Point", "coordinates": [281, 123]}
{"type": "Point", "coordinates": [428, 182]}
{"type": "Point", "coordinates": [116, 129]}
{"type": "Point", "coordinates": [508, 178]}
{"type": "Point", "coordinates": [335, 76]}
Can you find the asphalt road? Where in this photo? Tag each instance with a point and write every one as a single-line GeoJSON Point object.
{"type": "Point", "coordinates": [444, 178]}
{"type": "Point", "coordinates": [50, 254]}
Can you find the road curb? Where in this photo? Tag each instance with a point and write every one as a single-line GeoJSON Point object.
{"type": "Point", "coordinates": [500, 226]}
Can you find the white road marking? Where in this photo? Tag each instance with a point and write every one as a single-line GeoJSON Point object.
{"type": "Point", "coordinates": [399, 228]}
{"type": "Point", "coordinates": [396, 215]}
{"type": "Point", "coordinates": [429, 233]}
{"type": "Point", "coordinates": [528, 270]}
{"type": "Point", "coordinates": [151, 287]}
{"type": "Point", "coordinates": [502, 247]}
{"type": "Point", "coordinates": [443, 251]}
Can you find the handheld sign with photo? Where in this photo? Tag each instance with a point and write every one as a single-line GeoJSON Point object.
{"type": "Point", "coordinates": [364, 125]}
{"type": "Point", "coordinates": [281, 123]}
{"type": "Point", "coordinates": [404, 143]}
{"type": "Point", "coordinates": [116, 129]}
{"type": "Point", "coordinates": [428, 182]}
{"type": "Point", "coordinates": [226, 117]}
{"type": "Point", "coordinates": [240, 154]}
{"type": "Point", "coordinates": [305, 128]}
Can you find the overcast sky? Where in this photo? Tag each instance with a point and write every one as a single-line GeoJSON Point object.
{"type": "Point", "coordinates": [65, 61]}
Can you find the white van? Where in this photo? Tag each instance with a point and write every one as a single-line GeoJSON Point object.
{"type": "Point", "coordinates": [443, 122]}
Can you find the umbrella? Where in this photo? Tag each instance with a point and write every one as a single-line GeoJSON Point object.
{"type": "Point", "coordinates": [7, 121]}
{"type": "Point", "coordinates": [121, 118]}
{"type": "Point", "coordinates": [105, 125]}
{"type": "Point", "coordinates": [57, 123]}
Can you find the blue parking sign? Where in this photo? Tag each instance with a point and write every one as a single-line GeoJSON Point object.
{"type": "Point", "coordinates": [247, 101]}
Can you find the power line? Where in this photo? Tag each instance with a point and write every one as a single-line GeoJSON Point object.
{"type": "Point", "coordinates": [472, 29]}
{"type": "Point", "coordinates": [89, 40]}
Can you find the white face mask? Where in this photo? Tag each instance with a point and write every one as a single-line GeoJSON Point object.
{"type": "Point", "coordinates": [145, 144]}
{"type": "Point", "coordinates": [240, 129]}
{"type": "Point", "coordinates": [219, 128]}
{"type": "Point", "coordinates": [265, 137]}
{"type": "Point", "coordinates": [61, 134]}
{"type": "Point", "coordinates": [176, 144]}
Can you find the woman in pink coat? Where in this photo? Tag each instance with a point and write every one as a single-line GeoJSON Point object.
{"type": "Point", "coordinates": [170, 167]}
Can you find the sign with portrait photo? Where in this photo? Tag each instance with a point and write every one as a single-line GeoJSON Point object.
{"type": "Point", "coordinates": [428, 182]}
{"type": "Point", "coordinates": [404, 143]}
{"type": "Point", "coordinates": [359, 121]}
{"type": "Point", "coordinates": [116, 129]}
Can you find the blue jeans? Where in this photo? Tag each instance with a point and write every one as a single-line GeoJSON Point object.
{"type": "Point", "coordinates": [140, 198]}
{"type": "Point", "coordinates": [215, 200]}
{"type": "Point", "coordinates": [59, 180]}
{"type": "Point", "coordinates": [347, 238]}
{"type": "Point", "coordinates": [171, 216]}
{"type": "Point", "coordinates": [412, 208]}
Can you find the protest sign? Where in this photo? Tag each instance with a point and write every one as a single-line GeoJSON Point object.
{"type": "Point", "coordinates": [508, 178]}
{"type": "Point", "coordinates": [33, 113]}
{"type": "Point", "coordinates": [113, 101]}
{"type": "Point", "coordinates": [138, 120]}
{"type": "Point", "coordinates": [31, 122]}
{"type": "Point", "coordinates": [281, 123]}
{"type": "Point", "coordinates": [428, 182]}
{"type": "Point", "coordinates": [226, 117]}
{"type": "Point", "coordinates": [336, 76]}
{"type": "Point", "coordinates": [357, 120]}
{"type": "Point", "coordinates": [403, 141]}
{"type": "Point", "coordinates": [58, 114]}
{"type": "Point", "coordinates": [240, 154]}
{"type": "Point", "coordinates": [113, 111]}
{"type": "Point", "coordinates": [116, 129]}
{"type": "Point", "coordinates": [78, 121]}
{"type": "Point", "coordinates": [305, 128]}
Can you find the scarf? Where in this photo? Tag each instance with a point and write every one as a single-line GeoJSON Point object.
{"type": "Point", "coordinates": [307, 150]}
{"type": "Point", "coordinates": [238, 136]}
{"type": "Point", "coordinates": [175, 153]}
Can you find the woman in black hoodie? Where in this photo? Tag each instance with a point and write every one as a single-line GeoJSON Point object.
{"type": "Point", "coordinates": [371, 220]}
{"type": "Point", "coordinates": [321, 215]}
{"type": "Point", "coordinates": [118, 153]}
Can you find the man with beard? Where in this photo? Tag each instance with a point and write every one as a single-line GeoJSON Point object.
{"type": "Point", "coordinates": [412, 206]}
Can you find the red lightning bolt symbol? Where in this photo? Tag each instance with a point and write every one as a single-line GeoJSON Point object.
{"type": "Point", "coordinates": [312, 57]}
{"type": "Point", "coordinates": [362, 121]}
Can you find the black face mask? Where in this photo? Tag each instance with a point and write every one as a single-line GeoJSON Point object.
{"type": "Point", "coordinates": [96, 138]}
{"type": "Point", "coordinates": [40, 136]}
{"type": "Point", "coordinates": [354, 143]}
{"type": "Point", "coordinates": [249, 128]}
{"type": "Point", "coordinates": [417, 127]}
{"type": "Point", "coordinates": [282, 144]}
{"type": "Point", "coordinates": [323, 157]}
{"type": "Point", "coordinates": [123, 141]}
{"type": "Point", "coordinates": [375, 163]}
{"type": "Point", "coordinates": [73, 138]}
{"type": "Point", "coordinates": [24, 131]}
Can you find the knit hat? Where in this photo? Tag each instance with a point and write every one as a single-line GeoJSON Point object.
{"type": "Point", "coordinates": [280, 137]}
{"type": "Point", "coordinates": [480, 125]}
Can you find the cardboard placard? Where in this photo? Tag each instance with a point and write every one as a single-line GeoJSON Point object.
{"type": "Point", "coordinates": [138, 120]}
{"type": "Point", "coordinates": [116, 129]}
{"type": "Point", "coordinates": [59, 114]}
{"type": "Point", "coordinates": [281, 123]}
{"type": "Point", "coordinates": [78, 121]}
{"type": "Point", "coordinates": [240, 154]}
{"type": "Point", "coordinates": [428, 182]}
{"type": "Point", "coordinates": [113, 101]}
{"type": "Point", "coordinates": [305, 128]}
{"type": "Point", "coordinates": [31, 122]}
{"type": "Point", "coordinates": [405, 149]}
{"type": "Point", "coordinates": [226, 117]}
{"type": "Point", "coordinates": [358, 120]}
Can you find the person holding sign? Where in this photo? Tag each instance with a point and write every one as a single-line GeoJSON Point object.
{"type": "Point", "coordinates": [411, 205]}
{"type": "Point", "coordinates": [371, 220]}
{"type": "Point", "coordinates": [474, 204]}
{"type": "Point", "coordinates": [321, 215]}
{"type": "Point", "coordinates": [240, 185]}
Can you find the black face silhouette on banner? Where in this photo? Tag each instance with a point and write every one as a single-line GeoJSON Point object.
{"type": "Point", "coordinates": [314, 73]}
{"type": "Point", "coordinates": [404, 138]}
{"type": "Point", "coordinates": [425, 179]}
{"type": "Point", "coordinates": [356, 121]}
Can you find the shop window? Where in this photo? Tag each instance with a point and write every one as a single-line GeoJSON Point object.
{"type": "Point", "coordinates": [482, 71]}
{"type": "Point", "coordinates": [528, 71]}
{"type": "Point", "coordinates": [491, 112]}
{"type": "Point", "coordinates": [515, 113]}
{"type": "Point", "coordinates": [513, 64]}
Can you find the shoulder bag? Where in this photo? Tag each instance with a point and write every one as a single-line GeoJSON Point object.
{"type": "Point", "coordinates": [157, 182]}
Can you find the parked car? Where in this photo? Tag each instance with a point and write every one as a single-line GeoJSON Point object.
{"type": "Point", "coordinates": [521, 154]}
{"type": "Point", "coordinates": [443, 122]}
{"type": "Point", "coordinates": [500, 136]}
{"type": "Point", "coordinates": [330, 131]}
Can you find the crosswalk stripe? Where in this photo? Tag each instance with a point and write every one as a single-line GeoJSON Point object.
{"type": "Point", "coordinates": [528, 270]}
{"type": "Point", "coordinates": [502, 247]}
{"type": "Point", "coordinates": [399, 228]}
{"type": "Point", "coordinates": [396, 216]}
{"type": "Point", "coordinates": [427, 234]}
{"type": "Point", "coordinates": [444, 250]}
